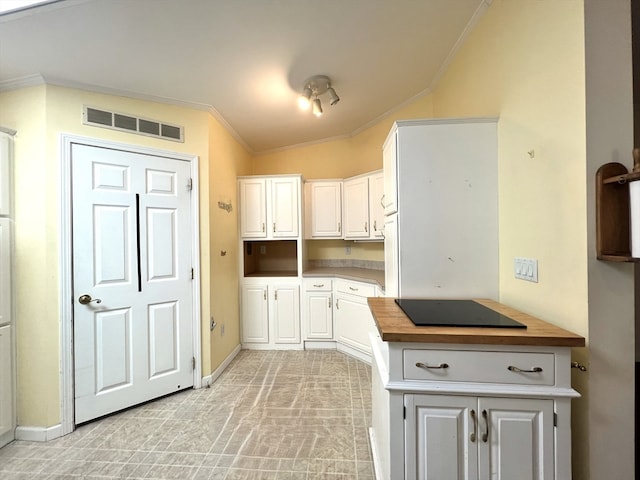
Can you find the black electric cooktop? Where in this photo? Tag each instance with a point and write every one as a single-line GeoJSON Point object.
{"type": "Point", "coordinates": [454, 313]}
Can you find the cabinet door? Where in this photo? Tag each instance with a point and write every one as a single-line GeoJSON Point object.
{"type": "Point", "coordinates": [391, 256]}
{"type": "Point", "coordinates": [318, 315]}
{"type": "Point", "coordinates": [284, 207]}
{"type": "Point", "coordinates": [286, 313]}
{"type": "Point", "coordinates": [253, 208]}
{"type": "Point", "coordinates": [255, 319]}
{"type": "Point", "coordinates": [326, 209]}
{"type": "Point", "coordinates": [356, 208]}
{"type": "Point", "coordinates": [519, 442]}
{"type": "Point", "coordinates": [5, 271]}
{"type": "Point", "coordinates": [376, 210]}
{"type": "Point", "coordinates": [6, 381]}
{"type": "Point", "coordinates": [441, 438]}
{"type": "Point", "coordinates": [390, 168]}
{"type": "Point", "coordinates": [353, 322]}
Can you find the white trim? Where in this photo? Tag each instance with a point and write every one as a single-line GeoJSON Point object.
{"type": "Point", "coordinates": [39, 434]}
{"type": "Point", "coordinates": [375, 457]}
{"type": "Point", "coordinates": [66, 273]}
{"type": "Point", "coordinates": [354, 352]}
{"type": "Point", "coordinates": [209, 379]}
{"type": "Point", "coordinates": [21, 82]}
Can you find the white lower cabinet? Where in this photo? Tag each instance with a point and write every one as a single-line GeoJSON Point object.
{"type": "Point", "coordinates": [353, 319]}
{"type": "Point", "coordinates": [470, 411]}
{"type": "Point", "coordinates": [270, 313]}
{"type": "Point", "coordinates": [317, 309]}
{"type": "Point", "coordinates": [474, 438]}
{"type": "Point", "coordinates": [7, 422]}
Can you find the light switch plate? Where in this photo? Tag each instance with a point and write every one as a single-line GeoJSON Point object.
{"type": "Point", "coordinates": [526, 269]}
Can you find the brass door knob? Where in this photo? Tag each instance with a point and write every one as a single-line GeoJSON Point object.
{"type": "Point", "coordinates": [86, 299]}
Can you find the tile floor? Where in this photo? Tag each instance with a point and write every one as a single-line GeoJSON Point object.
{"type": "Point", "coordinates": [294, 415]}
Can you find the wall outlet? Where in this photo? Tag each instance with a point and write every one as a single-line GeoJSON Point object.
{"type": "Point", "coordinates": [347, 250]}
{"type": "Point", "coordinates": [263, 249]}
{"type": "Point", "coordinates": [526, 269]}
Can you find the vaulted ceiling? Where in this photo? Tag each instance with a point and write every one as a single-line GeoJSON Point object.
{"type": "Point", "coordinates": [246, 61]}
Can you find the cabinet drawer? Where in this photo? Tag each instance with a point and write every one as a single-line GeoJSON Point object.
{"type": "Point", "coordinates": [480, 366]}
{"type": "Point", "coordinates": [356, 288]}
{"type": "Point", "coordinates": [317, 284]}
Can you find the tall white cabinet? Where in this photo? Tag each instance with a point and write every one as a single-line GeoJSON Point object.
{"type": "Point", "coordinates": [7, 355]}
{"type": "Point", "coordinates": [441, 200]}
{"type": "Point", "coordinates": [271, 262]}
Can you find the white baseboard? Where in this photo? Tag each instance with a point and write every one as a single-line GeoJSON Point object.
{"type": "Point", "coordinates": [209, 379]}
{"type": "Point", "coordinates": [38, 434]}
{"type": "Point", "coordinates": [354, 352]}
{"type": "Point", "coordinates": [319, 345]}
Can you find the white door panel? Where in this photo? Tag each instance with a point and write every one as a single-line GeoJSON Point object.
{"type": "Point", "coordinates": [132, 251]}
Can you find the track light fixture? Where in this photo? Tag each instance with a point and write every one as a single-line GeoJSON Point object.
{"type": "Point", "coordinates": [314, 86]}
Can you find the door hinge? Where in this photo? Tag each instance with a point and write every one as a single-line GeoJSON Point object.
{"type": "Point", "coordinates": [555, 419]}
{"type": "Point", "coordinates": [190, 184]}
{"type": "Point", "coordinates": [193, 363]}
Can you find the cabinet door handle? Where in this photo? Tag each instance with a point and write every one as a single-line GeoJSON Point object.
{"type": "Point", "coordinates": [511, 368]}
{"type": "Point", "coordinates": [274, 227]}
{"type": "Point", "coordinates": [275, 295]}
{"type": "Point", "coordinates": [329, 303]}
{"type": "Point", "coordinates": [375, 225]}
{"type": "Point", "coordinates": [474, 420]}
{"type": "Point", "coordinates": [366, 227]}
{"type": "Point", "coordinates": [337, 304]}
{"type": "Point", "coordinates": [264, 294]}
{"type": "Point", "coordinates": [485, 435]}
{"type": "Point", "coordinates": [339, 227]}
{"type": "Point", "coordinates": [263, 227]}
{"type": "Point", "coordinates": [382, 201]}
{"type": "Point", "coordinates": [427, 367]}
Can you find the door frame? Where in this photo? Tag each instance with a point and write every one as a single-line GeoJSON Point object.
{"type": "Point", "coordinates": [67, 409]}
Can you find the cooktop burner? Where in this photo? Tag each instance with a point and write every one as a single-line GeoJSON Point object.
{"type": "Point", "coordinates": [454, 313]}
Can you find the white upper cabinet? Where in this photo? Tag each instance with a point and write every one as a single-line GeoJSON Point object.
{"type": "Point", "coordinates": [269, 207]}
{"type": "Point", "coordinates": [323, 202]}
{"type": "Point", "coordinates": [390, 168]}
{"type": "Point", "coordinates": [376, 210]}
{"type": "Point", "coordinates": [362, 209]}
{"type": "Point", "coordinates": [356, 208]}
{"type": "Point", "coordinates": [253, 208]}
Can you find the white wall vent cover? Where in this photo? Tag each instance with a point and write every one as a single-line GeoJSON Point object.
{"type": "Point", "coordinates": [129, 123]}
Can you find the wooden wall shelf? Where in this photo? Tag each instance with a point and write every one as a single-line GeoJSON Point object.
{"type": "Point", "coordinates": [613, 229]}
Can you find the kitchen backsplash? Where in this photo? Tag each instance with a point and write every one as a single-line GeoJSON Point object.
{"type": "Point", "coordinates": [346, 263]}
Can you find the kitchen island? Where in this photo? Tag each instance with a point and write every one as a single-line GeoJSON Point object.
{"type": "Point", "coordinates": [470, 402]}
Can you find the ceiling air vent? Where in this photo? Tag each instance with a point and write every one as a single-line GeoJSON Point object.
{"type": "Point", "coordinates": [129, 123]}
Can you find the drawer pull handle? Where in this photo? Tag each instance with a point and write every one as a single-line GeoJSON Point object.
{"type": "Point", "coordinates": [519, 370]}
{"type": "Point", "coordinates": [424, 365]}
{"type": "Point", "coordinates": [353, 289]}
{"type": "Point", "coordinates": [485, 435]}
{"type": "Point", "coordinates": [318, 285]}
{"type": "Point", "coordinates": [474, 420]}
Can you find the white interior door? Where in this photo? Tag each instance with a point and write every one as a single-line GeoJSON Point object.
{"type": "Point", "coordinates": [132, 274]}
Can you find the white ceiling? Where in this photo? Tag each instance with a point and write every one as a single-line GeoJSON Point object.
{"type": "Point", "coordinates": [244, 60]}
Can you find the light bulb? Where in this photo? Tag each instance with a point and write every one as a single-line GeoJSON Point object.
{"type": "Point", "coordinates": [317, 108]}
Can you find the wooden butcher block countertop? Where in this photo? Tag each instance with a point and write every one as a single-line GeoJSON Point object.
{"type": "Point", "coordinates": [395, 326]}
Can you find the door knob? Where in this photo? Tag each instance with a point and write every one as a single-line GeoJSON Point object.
{"type": "Point", "coordinates": [86, 300]}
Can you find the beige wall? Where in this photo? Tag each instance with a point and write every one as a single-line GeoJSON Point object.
{"type": "Point", "coordinates": [40, 114]}
{"type": "Point", "coordinates": [227, 160]}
